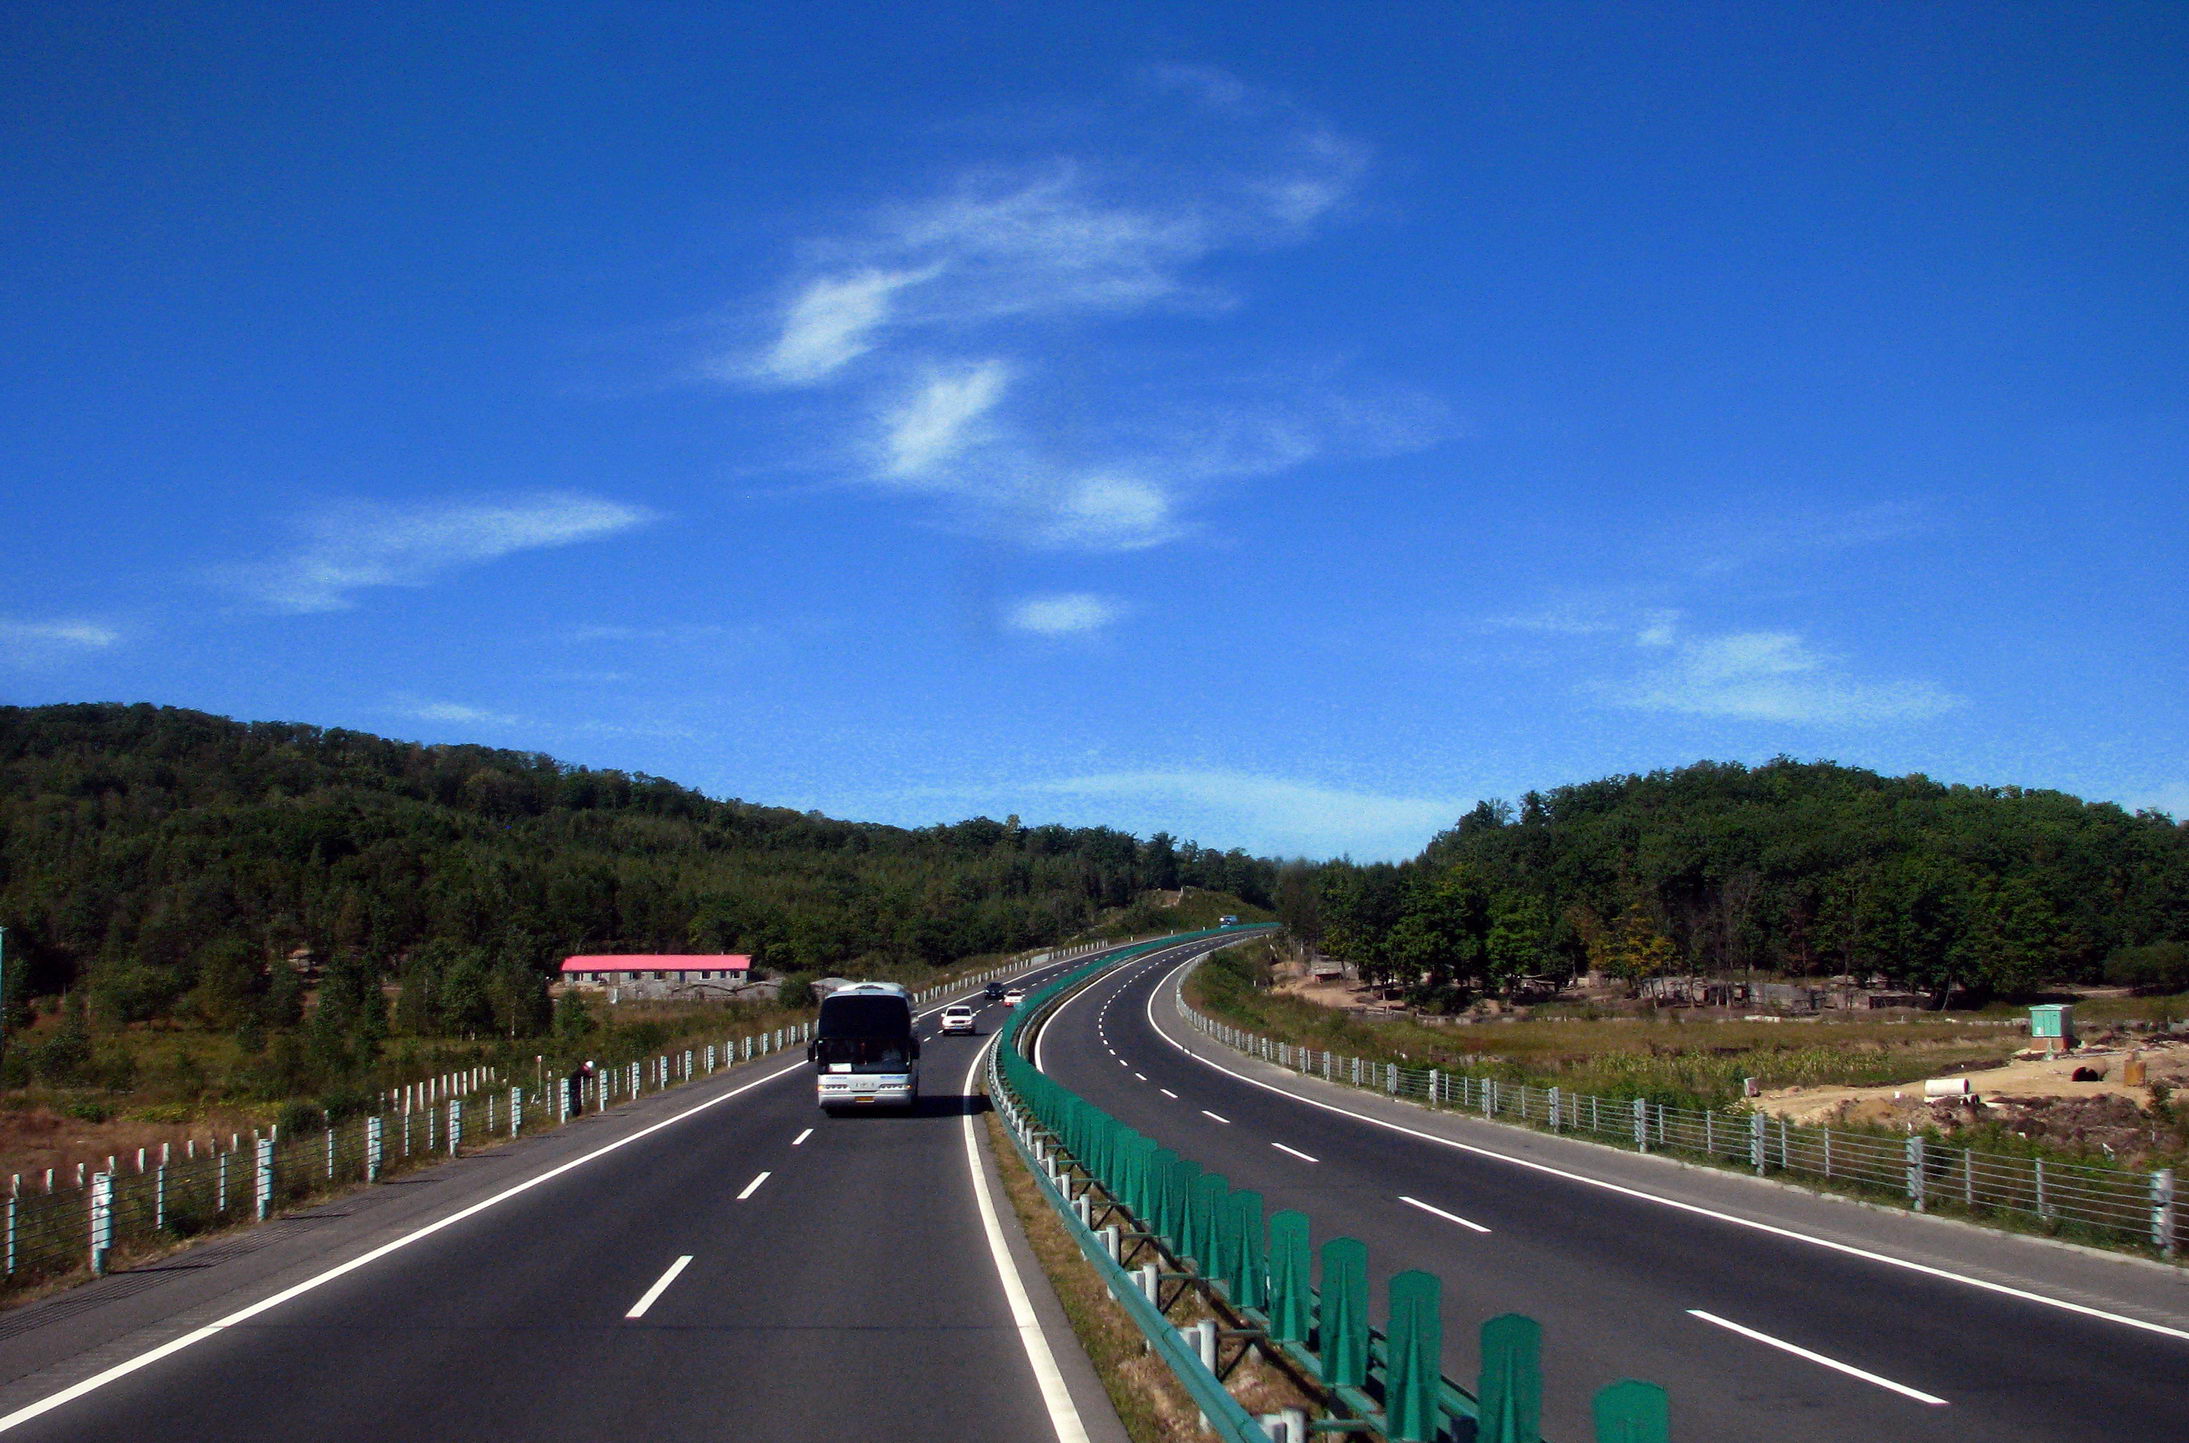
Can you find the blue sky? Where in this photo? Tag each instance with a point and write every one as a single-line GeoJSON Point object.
{"type": "Point", "coordinates": [1281, 425]}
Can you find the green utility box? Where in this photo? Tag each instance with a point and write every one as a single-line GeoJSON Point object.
{"type": "Point", "coordinates": [2052, 1026]}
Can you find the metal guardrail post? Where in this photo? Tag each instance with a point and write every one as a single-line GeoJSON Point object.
{"type": "Point", "coordinates": [1510, 1395]}
{"type": "Point", "coordinates": [375, 1146]}
{"type": "Point", "coordinates": [1641, 1124]}
{"type": "Point", "coordinates": [1916, 1198]}
{"type": "Point", "coordinates": [1416, 1374]}
{"type": "Point", "coordinates": [455, 1125]}
{"type": "Point", "coordinates": [1755, 1142]}
{"type": "Point", "coordinates": [1631, 1411]}
{"type": "Point", "coordinates": [1341, 1323]}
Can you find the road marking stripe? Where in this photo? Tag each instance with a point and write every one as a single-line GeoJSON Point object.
{"type": "Point", "coordinates": [1141, 1075]}
{"type": "Point", "coordinates": [1849, 1249]}
{"type": "Point", "coordinates": [1303, 1157]}
{"type": "Point", "coordinates": [1063, 1412]}
{"type": "Point", "coordinates": [801, 1137]}
{"type": "Point", "coordinates": [1818, 1358]}
{"type": "Point", "coordinates": [1448, 1217]}
{"type": "Point", "coordinates": [1224, 1120]}
{"type": "Point", "coordinates": [754, 1186]}
{"type": "Point", "coordinates": [661, 1285]}
{"type": "Point", "coordinates": [1168, 1093]}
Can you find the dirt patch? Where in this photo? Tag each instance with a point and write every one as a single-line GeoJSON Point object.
{"type": "Point", "coordinates": [2024, 1079]}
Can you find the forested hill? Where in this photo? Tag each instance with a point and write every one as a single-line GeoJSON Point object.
{"type": "Point", "coordinates": [146, 850]}
{"type": "Point", "coordinates": [1802, 867]}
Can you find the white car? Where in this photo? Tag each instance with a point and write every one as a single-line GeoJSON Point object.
{"type": "Point", "coordinates": [958, 1017]}
{"type": "Point", "coordinates": [1014, 997]}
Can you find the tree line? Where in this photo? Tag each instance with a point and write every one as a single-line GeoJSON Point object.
{"type": "Point", "coordinates": [158, 863]}
{"type": "Point", "coordinates": [1800, 869]}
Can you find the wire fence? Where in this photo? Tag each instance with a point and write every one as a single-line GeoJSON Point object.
{"type": "Point", "coordinates": [64, 1224]}
{"type": "Point", "coordinates": [1131, 1202]}
{"type": "Point", "coordinates": [2116, 1206]}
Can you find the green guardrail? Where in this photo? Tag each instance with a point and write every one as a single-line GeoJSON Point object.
{"type": "Point", "coordinates": [1123, 1194]}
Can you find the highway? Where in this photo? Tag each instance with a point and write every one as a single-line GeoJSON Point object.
{"type": "Point", "coordinates": [1768, 1313]}
{"type": "Point", "coordinates": [718, 1261]}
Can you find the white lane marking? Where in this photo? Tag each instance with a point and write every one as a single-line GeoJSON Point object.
{"type": "Point", "coordinates": [1224, 1120]}
{"type": "Point", "coordinates": [1141, 1075]}
{"type": "Point", "coordinates": [1063, 1412]}
{"type": "Point", "coordinates": [1848, 1249]}
{"type": "Point", "coordinates": [1448, 1217]}
{"type": "Point", "coordinates": [754, 1186]}
{"type": "Point", "coordinates": [1819, 1359]}
{"type": "Point", "coordinates": [661, 1285]}
{"type": "Point", "coordinates": [1168, 1093]}
{"type": "Point", "coordinates": [801, 1137]}
{"type": "Point", "coordinates": [172, 1346]}
{"type": "Point", "coordinates": [1303, 1157]}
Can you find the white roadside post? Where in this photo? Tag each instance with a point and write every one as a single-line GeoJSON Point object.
{"type": "Point", "coordinates": [1756, 1126]}
{"type": "Point", "coordinates": [516, 1110]}
{"type": "Point", "coordinates": [102, 1219]}
{"type": "Point", "coordinates": [263, 1194]}
{"type": "Point", "coordinates": [2162, 1211]}
{"type": "Point", "coordinates": [455, 1125]}
{"type": "Point", "coordinates": [374, 1144]}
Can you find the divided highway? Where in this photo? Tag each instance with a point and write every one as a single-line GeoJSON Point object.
{"type": "Point", "coordinates": [1816, 1329]}
{"type": "Point", "coordinates": [719, 1261]}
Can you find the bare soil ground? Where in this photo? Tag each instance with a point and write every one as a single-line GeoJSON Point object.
{"type": "Point", "coordinates": [2021, 1082]}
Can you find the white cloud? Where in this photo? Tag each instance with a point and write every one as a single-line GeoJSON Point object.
{"type": "Point", "coordinates": [832, 321]}
{"type": "Point", "coordinates": [939, 422]}
{"type": "Point", "coordinates": [449, 711]}
{"type": "Point", "coordinates": [892, 305]}
{"type": "Point", "coordinates": [1068, 614]}
{"type": "Point", "coordinates": [33, 643]}
{"type": "Point", "coordinates": [1772, 676]}
{"type": "Point", "coordinates": [1109, 513]}
{"type": "Point", "coordinates": [347, 549]}
{"type": "Point", "coordinates": [1272, 814]}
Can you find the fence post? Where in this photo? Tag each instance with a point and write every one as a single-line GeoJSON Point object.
{"type": "Point", "coordinates": [1391, 1078]}
{"type": "Point", "coordinates": [330, 1149]}
{"type": "Point", "coordinates": [375, 1146]}
{"type": "Point", "coordinates": [1415, 1372]}
{"type": "Point", "coordinates": [159, 1206]}
{"type": "Point", "coordinates": [102, 1219]}
{"type": "Point", "coordinates": [1342, 1329]}
{"type": "Point", "coordinates": [1631, 1411]}
{"type": "Point", "coordinates": [516, 1110]}
{"type": "Point", "coordinates": [1291, 1300]}
{"type": "Point", "coordinates": [2162, 1211]}
{"type": "Point", "coordinates": [1756, 1125]}
{"type": "Point", "coordinates": [11, 1235]}
{"type": "Point", "coordinates": [455, 1125]}
{"type": "Point", "coordinates": [1641, 1125]}
{"type": "Point", "coordinates": [2043, 1209]}
{"type": "Point", "coordinates": [1509, 1395]}
{"type": "Point", "coordinates": [1555, 1112]}
{"type": "Point", "coordinates": [1915, 1171]}
{"type": "Point", "coordinates": [264, 1192]}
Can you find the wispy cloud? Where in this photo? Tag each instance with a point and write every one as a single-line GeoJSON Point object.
{"type": "Point", "coordinates": [38, 643]}
{"type": "Point", "coordinates": [353, 547]}
{"type": "Point", "coordinates": [1274, 814]}
{"type": "Point", "coordinates": [1067, 614]}
{"type": "Point", "coordinates": [1012, 447]}
{"type": "Point", "coordinates": [1772, 676]}
{"type": "Point", "coordinates": [449, 711]}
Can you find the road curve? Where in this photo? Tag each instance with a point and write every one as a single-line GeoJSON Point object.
{"type": "Point", "coordinates": [737, 1265]}
{"type": "Point", "coordinates": [1764, 1335]}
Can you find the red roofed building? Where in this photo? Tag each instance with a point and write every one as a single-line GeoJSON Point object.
{"type": "Point", "coordinates": [682, 977]}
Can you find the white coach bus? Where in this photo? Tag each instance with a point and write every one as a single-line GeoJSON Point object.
{"type": "Point", "coordinates": [863, 1051]}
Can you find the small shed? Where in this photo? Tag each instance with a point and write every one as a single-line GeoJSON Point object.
{"type": "Point", "coordinates": [2052, 1026]}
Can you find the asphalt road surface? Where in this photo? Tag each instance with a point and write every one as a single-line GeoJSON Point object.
{"type": "Point", "coordinates": [1655, 1276]}
{"type": "Point", "coordinates": [719, 1261]}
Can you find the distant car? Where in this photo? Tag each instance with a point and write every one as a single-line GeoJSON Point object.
{"type": "Point", "coordinates": [957, 1018]}
{"type": "Point", "coordinates": [1227, 921]}
{"type": "Point", "coordinates": [1014, 996]}
{"type": "Point", "coordinates": [995, 992]}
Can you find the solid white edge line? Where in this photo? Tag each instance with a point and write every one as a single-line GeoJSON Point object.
{"type": "Point", "coordinates": [661, 1285]}
{"type": "Point", "coordinates": [1303, 1157]}
{"type": "Point", "coordinates": [175, 1345]}
{"type": "Point", "coordinates": [1224, 1120]}
{"type": "Point", "coordinates": [1448, 1217]}
{"type": "Point", "coordinates": [801, 1137]}
{"type": "Point", "coordinates": [754, 1186]}
{"type": "Point", "coordinates": [1848, 1249]}
{"type": "Point", "coordinates": [1063, 1412]}
{"type": "Point", "coordinates": [1819, 1359]}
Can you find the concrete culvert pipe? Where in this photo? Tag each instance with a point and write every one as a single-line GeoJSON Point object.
{"type": "Point", "coordinates": [1946, 1087]}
